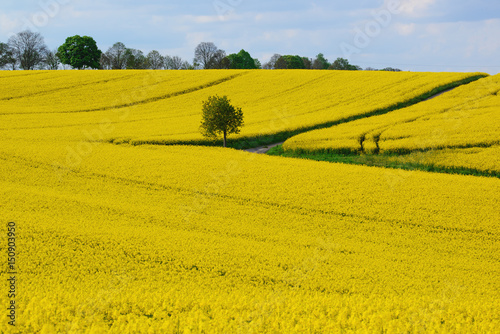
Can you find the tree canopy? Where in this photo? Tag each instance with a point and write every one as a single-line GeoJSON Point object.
{"type": "Point", "coordinates": [116, 57]}
{"type": "Point", "coordinates": [220, 117]}
{"type": "Point", "coordinates": [271, 64]}
{"type": "Point", "coordinates": [52, 60]}
{"type": "Point", "coordinates": [289, 62]}
{"type": "Point", "coordinates": [320, 63]}
{"type": "Point", "coordinates": [155, 60]}
{"type": "Point", "coordinates": [217, 61]}
{"type": "Point", "coordinates": [204, 54]}
{"type": "Point", "coordinates": [241, 60]}
{"type": "Point", "coordinates": [80, 52]}
{"type": "Point", "coordinates": [343, 65]}
{"type": "Point", "coordinates": [28, 49]}
{"type": "Point", "coordinates": [6, 55]}
{"type": "Point", "coordinates": [135, 59]}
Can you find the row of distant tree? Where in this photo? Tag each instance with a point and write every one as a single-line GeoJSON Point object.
{"type": "Point", "coordinates": [28, 51]}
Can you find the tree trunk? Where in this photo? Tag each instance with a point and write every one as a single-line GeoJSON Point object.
{"type": "Point", "coordinates": [224, 138]}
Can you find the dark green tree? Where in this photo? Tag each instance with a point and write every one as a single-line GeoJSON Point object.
{"type": "Point", "coordinates": [391, 69]}
{"type": "Point", "coordinates": [241, 60]}
{"type": "Point", "coordinates": [290, 62]}
{"type": "Point", "coordinates": [6, 56]}
{"type": "Point", "coordinates": [257, 63]}
{"type": "Point", "coordinates": [220, 117]}
{"type": "Point", "coordinates": [280, 63]}
{"type": "Point", "coordinates": [233, 61]}
{"type": "Point", "coordinates": [342, 64]}
{"type": "Point", "coordinates": [320, 63]}
{"type": "Point", "coordinates": [135, 59]}
{"type": "Point", "coordinates": [225, 63]}
{"type": "Point", "coordinates": [80, 52]}
{"type": "Point", "coordinates": [217, 61]}
{"type": "Point", "coordinates": [307, 63]}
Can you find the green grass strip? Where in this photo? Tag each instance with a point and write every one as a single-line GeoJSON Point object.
{"type": "Point", "coordinates": [379, 161]}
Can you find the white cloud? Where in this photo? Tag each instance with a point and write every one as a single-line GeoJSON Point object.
{"type": "Point", "coordinates": [8, 26]}
{"type": "Point", "coordinates": [471, 38]}
{"type": "Point", "coordinates": [405, 29]}
{"type": "Point", "coordinates": [416, 8]}
{"type": "Point", "coordinates": [195, 38]}
{"type": "Point", "coordinates": [484, 41]}
{"type": "Point", "coordinates": [259, 17]}
{"type": "Point", "coordinates": [434, 29]}
{"type": "Point", "coordinates": [202, 19]}
{"type": "Point", "coordinates": [158, 20]}
{"type": "Point", "coordinates": [462, 46]}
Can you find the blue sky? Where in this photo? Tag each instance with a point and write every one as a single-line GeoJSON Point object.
{"type": "Point", "coordinates": [414, 35]}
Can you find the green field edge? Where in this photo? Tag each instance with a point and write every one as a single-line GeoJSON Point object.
{"type": "Point", "coordinates": [378, 160]}
{"type": "Point", "coordinates": [243, 143]}
{"type": "Point", "coordinates": [389, 152]}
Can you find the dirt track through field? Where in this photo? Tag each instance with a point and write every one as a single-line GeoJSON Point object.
{"type": "Point", "coordinates": [439, 94]}
{"type": "Point", "coordinates": [263, 149]}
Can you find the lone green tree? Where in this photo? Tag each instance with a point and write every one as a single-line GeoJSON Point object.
{"type": "Point", "coordinates": [220, 117]}
{"type": "Point", "coordinates": [80, 52]}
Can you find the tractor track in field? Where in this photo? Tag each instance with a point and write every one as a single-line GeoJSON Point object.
{"type": "Point", "coordinates": [131, 104]}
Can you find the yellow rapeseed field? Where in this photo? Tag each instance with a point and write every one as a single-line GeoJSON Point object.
{"type": "Point", "coordinates": [187, 239]}
{"type": "Point", "coordinates": [191, 239]}
{"type": "Point", "coordinates": [165, 106]}
{"type": "Point", "coordinates": [457, 129]}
